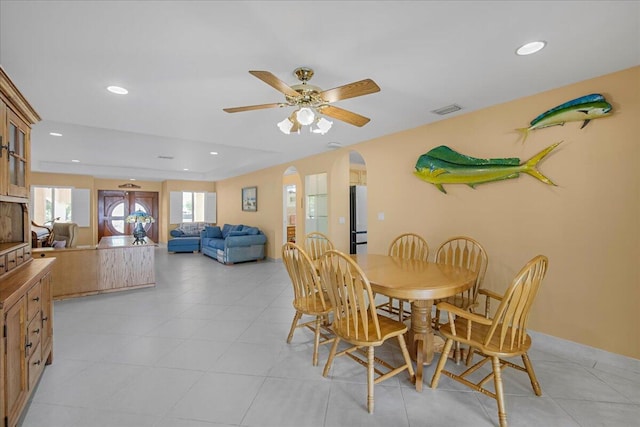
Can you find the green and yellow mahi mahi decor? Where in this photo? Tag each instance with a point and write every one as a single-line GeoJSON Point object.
{"type": "Point", "coordinates": [582, 109]}
{"type": "Point", "coordinates": [443, 165]}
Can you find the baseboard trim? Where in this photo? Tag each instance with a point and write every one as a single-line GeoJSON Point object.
{"type": "Point", "coordinates": [585, 354]}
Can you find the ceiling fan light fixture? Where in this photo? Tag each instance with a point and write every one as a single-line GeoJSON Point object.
{"type": "Point", "coordinates": [323, 126]}
{"type": "Point", "coordinates": [305, 116]}
{"type": "Point", "coordinates": [285, 126]}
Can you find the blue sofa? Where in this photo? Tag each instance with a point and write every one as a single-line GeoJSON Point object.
{"type": "Point", "coordinates": [233, 243]}
{"type": "Point", "coordinates": [186, 237]}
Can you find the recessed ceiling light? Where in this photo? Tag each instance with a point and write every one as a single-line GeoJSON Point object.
{"type": "Point", "coordinates": [132, 179]}
{"type": "Point", "coordinates": [75, 161]}
{"type": "Point", "coordinates": [185, 169]}
{"type": "Point", "coordinates": [117, 90]}
{"type": "Point", "coordinates": [55, 134]}
{"type": "Point", "coordinates": [214, 153]}
{"type": "Point", "coordinates": [529, 48]}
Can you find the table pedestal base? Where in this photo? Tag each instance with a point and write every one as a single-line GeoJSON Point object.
{"type": "Point", "coordinates": [420, 339]}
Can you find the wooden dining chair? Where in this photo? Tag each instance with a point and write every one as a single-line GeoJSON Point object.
{"type": "Point", "coordinates": [309, 297]}
{"type": "Point", "coordinates": [462, 251]}
{"type": "Point", "coordinates": [406, 246]}
{"type": "Point", "coordinates": [494, 338]}
{"type": "Point", "coordinates": [316, 243]}
{"type": "Point", "coordinates": [356, 321]}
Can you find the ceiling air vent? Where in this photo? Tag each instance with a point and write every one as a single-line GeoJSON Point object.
{"type": "Point", "coordinates": [447, 110]}
{"type": "Point", "coordinates": [166, 157]}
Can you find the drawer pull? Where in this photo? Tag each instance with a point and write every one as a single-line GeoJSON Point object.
{"type": "Point", "coordinates": [37, 331]}
{"type": "Point", "coordinates": [44, 319]}
{"type": "Point", "coordinates": [28, 345]}
{"type": "Point", "coordinates": [37, 363]}
{"type": "Point", "coordinates": [36, 299]}
{"type": "Point", "coordinates": [12, 260]}
{"type": "Point", "coordinates": [20, 256]}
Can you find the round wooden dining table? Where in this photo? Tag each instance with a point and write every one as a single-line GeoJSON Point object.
{"type": "Point", "coordinates": [420, 282]}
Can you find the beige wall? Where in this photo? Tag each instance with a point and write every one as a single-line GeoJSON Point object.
{"type": "Point", "coordinates": [588, 225]}
{"type": "Point", "coordinates": [89, 235]}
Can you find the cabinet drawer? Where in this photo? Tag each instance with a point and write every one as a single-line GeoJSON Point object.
{"type": "Point", "coordinates": [3, 263]}
{"type": "Point", "coordinates": [36, 364]}
{"type": "Point", "coordinates": [27, 253]}
{"type": "Point", "coordinates": [11, 260]}
{"type": "Point", "coordinates": [33, 301]}
{"type": "Point", "coordinates": [19, 256]}
{"type": "Point", "coordinates": [34, 331]}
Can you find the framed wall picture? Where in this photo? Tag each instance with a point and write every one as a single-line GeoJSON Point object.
{"type": "Point", "coordinates": [250, 199]}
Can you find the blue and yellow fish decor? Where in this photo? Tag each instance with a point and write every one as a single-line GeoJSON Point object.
{"type": "Point", "coordinates": [443, 165]}
{"type": "Point", "coordinates": [583, 109]}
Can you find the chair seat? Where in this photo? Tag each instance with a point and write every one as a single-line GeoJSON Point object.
{"type": "Point", "coordinates": [478, 332]}
{"type": "Point", "coordinates": [388, 328]}
{"type": "Point", "coordinates": [312, 305]}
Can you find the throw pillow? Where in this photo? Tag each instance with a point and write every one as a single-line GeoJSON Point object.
{"type": "Point", "coordinates": [225, 230]}
{"type": "Point", "coordinates": [176, 233]}
{"type": "Point", "coordinates": [59, 244]}
{"type": "Point", "coordinates": [238, 233]}
{"type": "Point", "coordinates": [213, 232]}
{"type": "Point", "coordinates": [252, 230]}
{"type": "Point", "coordinates": [238, 227]}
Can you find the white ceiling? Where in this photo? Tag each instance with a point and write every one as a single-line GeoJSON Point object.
{"type": "Point", "coordinates": [184, 61]}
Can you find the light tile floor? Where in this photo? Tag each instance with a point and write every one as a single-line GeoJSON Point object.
{"type": "Point", "coordinates": [206, 347]}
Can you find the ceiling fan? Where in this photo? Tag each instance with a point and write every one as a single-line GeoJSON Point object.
{"type": "Point", "coordinates": [310, 100]}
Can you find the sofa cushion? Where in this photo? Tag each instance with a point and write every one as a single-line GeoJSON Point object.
{"type": "Point", "coordinates": [192, 228]}
{"type": "Point", "coordinates": [225, 230]}
{"type": "Point", "coordinates": [251, 230]}
{"type": "Point", "coordinates": [176, 233]}
{"type": "Point", "coordinates": [216, 243]}
{"type": "Point", "coordinates": [213, 232]}
{"type": "Point", "coordinates": [238, 233]}
{"type": "Point", "coordinates": [247, 240]}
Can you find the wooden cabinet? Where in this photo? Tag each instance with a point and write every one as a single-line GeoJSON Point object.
{"type": "Point", "coordinates": [26, 308]}
{"type": "Point", "coordinates": [357, 177]}
{"type": "Point", "coordinates": [291, 233]}
{"type": "Point", "coordinates": [16, 117]}
{"type": "Point", "coordinates": [16, 384]}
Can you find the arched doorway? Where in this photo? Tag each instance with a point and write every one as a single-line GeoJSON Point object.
{"type": "Point", "coordinates": [357, 204]}
{"type": "Point", "coordinates": [290, 205]}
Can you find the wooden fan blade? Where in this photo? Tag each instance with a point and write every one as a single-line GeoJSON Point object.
{"type": "Point", "coordinates": [344, 115]}
{"type": "Point", "coordinates": [275, 82]}
{"type": "Point", "coordinates": [253, 107]}
{"type": "Point", "coordinates": [351, 90]}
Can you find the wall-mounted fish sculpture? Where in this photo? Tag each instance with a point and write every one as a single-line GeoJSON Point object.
{"type": "Point", "coordinates": [443, 165]}
{"type": "Point", "coordinates": [583, 109]}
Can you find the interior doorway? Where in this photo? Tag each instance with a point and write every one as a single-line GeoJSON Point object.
{"type": "Point", "coordinates": [290, 184]}
{"type": "Point", "coordinates": [357, 204]}
{"type": "Point", "coordinates": [115, 205]}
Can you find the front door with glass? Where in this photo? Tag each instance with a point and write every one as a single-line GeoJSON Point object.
{"type": "Point", "coordinates": [114, 206]}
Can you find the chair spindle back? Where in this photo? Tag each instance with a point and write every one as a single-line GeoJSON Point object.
{"type": "Point", "coordinates": [316, 244]}
{"type": "Point", "coordinates": [465, 252]}
{"type": "Point", "coordinates": [351, 296]}
{"type": "Point", "coordinates": [409, 246]}
{"type": "Point", "coordinates": [511, 318]}
{"type": "Point", "coordinates": [304, 278]}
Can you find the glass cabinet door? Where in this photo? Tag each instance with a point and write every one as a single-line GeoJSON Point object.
{"type": "Point", "coordinates": [17, 156]}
